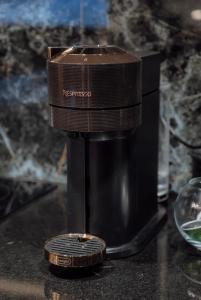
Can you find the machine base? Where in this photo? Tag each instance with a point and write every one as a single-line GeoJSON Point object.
{"type": "Point", "coordinates": [142, 238]}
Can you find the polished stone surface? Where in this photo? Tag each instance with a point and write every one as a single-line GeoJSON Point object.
{"type": "Point", "coordinates": [168, 27]}
{"type": "Point", "coordinates": [14, 194]}
{"type": "Point", "coordinates": [167, 268]}
{"type": "Point", "coordinates": [28, 146]}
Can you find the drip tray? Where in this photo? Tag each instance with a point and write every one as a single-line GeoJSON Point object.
{"type": "Point", "coordinates": [75, 250]}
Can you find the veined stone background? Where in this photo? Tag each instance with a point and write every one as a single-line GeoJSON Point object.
{"type": "Point", "coordinates": [28, 146]}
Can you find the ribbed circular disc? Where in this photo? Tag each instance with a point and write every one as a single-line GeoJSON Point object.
{"type": "Point", "coordinates": [75, 250]}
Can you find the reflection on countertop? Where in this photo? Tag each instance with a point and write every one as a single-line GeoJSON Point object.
{"type": "Point", "coordinates": [15, 194]}
{"type": "Point", "coordinates": [167, 268]}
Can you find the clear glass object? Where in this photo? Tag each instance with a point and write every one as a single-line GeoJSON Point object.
{"type": "Point", "coordinates": [163, 158]}
{"type": "Point", "coordinates": [187, 212]}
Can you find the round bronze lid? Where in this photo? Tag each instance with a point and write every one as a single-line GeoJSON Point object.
{"type": "Point", "coordinates": [75, 250]}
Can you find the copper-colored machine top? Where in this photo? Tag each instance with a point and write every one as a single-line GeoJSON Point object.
{"type": "Point", "coordinates": [93, 80]}
{"type": "Point", "coordinates": [90, 55]}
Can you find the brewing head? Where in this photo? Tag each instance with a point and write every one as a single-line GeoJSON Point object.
{"type": "Point", "coordinates": [94, 88]}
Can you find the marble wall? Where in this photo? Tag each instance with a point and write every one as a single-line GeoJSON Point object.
{"type": "Point", "coordinates": [28, 146]}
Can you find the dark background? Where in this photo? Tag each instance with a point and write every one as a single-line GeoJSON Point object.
{"type": "Point", "coordinates": [28, 146]}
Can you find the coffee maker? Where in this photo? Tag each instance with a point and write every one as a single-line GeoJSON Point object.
{"type": "Point", "coordinates": [107, 101]}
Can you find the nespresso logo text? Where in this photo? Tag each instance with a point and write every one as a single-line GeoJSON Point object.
{"type": "Point", "coordinates": [68, 93]}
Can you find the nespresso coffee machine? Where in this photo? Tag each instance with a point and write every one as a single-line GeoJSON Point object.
{"type": "Point", "coordinates": [107, 101]}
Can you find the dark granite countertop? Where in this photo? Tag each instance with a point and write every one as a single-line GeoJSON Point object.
{"type": "Point", "coordinates": [167, 268]}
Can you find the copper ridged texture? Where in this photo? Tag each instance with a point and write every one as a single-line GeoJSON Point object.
{"type": "Point", "coordinates": [75, 250]}
{"type": "Point", "coordinates": [93, 89]}
{"type": "Point", "coordinates": [95, 120]}
{"type": "Point", "coordinates": [111, 86]}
